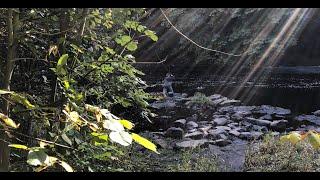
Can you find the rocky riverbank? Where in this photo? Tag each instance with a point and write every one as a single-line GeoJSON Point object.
{"type": "Point", "coordinates": [222, 126]}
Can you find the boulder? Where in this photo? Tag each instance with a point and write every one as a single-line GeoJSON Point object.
{"type": "Point", "coordinates": [234, 109]}
{"type": "Point", "coordinates": [229, 102]}
{"type": "Point", "coordinates": [163, 104]}
{"type": "Point", "coordinates": [258, 122]}
{"type": "Point", "coordinates": [192, 125]}
{"type": "Point", "coordinates": [222, 136]}
{"type": "Point", "coordinates": [238, 116]}
{"type": "Point", "coordinates": [190, 144]}
{"type": "Point", "coordinates": [317, 113]}
{"type": "Point", "coordinates": [279, 125]}
{"type": "Point", "coordinates": [194, 117]}
{"type": "Point", "coordinates": [205, 129]}
{"type": "Point", "coordinates": [218, 101]}
{"type": "Point", "coordinates": [221, 142]}
{"type": "Point", "coordinates": [181, 123]}
{"type": "Point", "coordinates": [220, 116]}
{"type": "Point", "coordinates": [250, 135]}
{"type": "Point", "coordinates": [192, 130]}
{"type": "Point", "coordinates": [232, 126]}
{"type": "Point", "coordinates": [195, 135]}
{"type": "Point", "coordinates": [203, 123]}
{"type": "Point", "coordinates": [226, 128]}
{"type": "Point", "coordinates": [174, 132]}
{"type": "Point", "coordinates": [215, 97]}
{"type": "Point", "coordinates": [215, 134]}
{"type": "Point", "coordinates": [239, 129]}
{"type": "Point", "coordinates": [234, 133]}
{"type": "Point", "coordinates": [259, 128]}
{"type": "Point", "coordinates": [220, 121]}
{"type": "Point", "coordinates": [308, 119]}
{"type": "Point", "coordinates": [266, 117]}
{"type": "Point", "coordinates": [267, 109]}
{"type": "Point", "coordinates": [160, 143]}
{"type": "Point", "coordinates": [278, 117]}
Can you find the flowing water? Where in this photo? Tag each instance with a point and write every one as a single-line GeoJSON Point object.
{"type": "Point", "coordinates": [298, 92]}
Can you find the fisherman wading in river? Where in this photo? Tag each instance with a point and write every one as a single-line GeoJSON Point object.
{"type": "Point", "coordinates": [167, 85]}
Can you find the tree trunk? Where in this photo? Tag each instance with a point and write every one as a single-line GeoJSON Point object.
{"type": "Point", "coordinates": [13, 28]}
{"type": "Point", "coordinates": [64, 22]}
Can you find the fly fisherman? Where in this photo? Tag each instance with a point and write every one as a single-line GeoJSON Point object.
{"type": "Point", "coordinates": [167, 85]}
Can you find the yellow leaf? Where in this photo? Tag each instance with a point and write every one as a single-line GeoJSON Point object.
{"type": "Point", "coordinates": [43, 144]}
{"type": "Point", "coordinates": [293, 137]}
{"type": "Point", "coordinates": [127, 124]}
{"type": "Point", "coordinates": [66, 166]}
{"type": "Point", "coordinates": [91, 108]}
{"type": "Point", "coordinates": [93, 126]}
{"type": "Point", "coordinates": [8, 121]}
{"type": "Point", "coordinates": [22, 100]}
{"type": "Point", "coordinates": [314, 140]}
{"type": "Point", "coordinates": [74, 116]}
{"type": "Point", "coordinates": [144, 142]}
{"type": "Point", "coordinates": [18, 146]}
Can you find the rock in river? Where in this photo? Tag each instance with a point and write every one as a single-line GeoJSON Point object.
{"type": "Point", "coordinates": [258, 122]}
{"type": "Point", "coordinates": [195, 135]}
{"type": "Point", "coordinates": [279, 125]}
{"type": "Point", "coordinates": [317, 113]}
{"type": "Point", "coordinates": [308, 118]}
{"type": "Point", "coordinates": [174, 132]}
{"type": "Point", "coordinates": [250, 135]}
{"type": "Point", "coordinates": [181, 123]}
{"type": "Point", "coordinates": [266, 109]}
{"type": "Point", "coordinates": [192, 125]}
{"type": "Point", "coordinates": [234, 133]}
{"type": "Point", "coordinates": [220, 121]}
{"type": "Point", "coordinates": [189, 144]}
{"type": "Point", "coordinates": [229, 102]}
{"type": "Point", "coordinates": [221, 142]}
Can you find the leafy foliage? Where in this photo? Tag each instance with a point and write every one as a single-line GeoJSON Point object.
{"type": "Point", "coordinates": [312, 137]}
{"type": "Point", "coordinates": [80, 68]}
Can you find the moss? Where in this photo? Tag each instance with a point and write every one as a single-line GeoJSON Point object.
{"type": "Point", "coordinates": [271, 155]}
{"type": "Point", "coordinates": [171, 161]}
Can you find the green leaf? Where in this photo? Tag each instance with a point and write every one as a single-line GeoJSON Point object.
{"type": "Point", "coordinates": [37, 157]}
{"type": "Point", "coordinates": [125, 39]}
{"type": "Point", "coordinates": [103, 156]}
{"type": "Point", "coordinates": [110, 51]}
{"type": "Point", "coordinates": [66, 139]}
{"type": "Point", "coordinates": [121, 137]}
{"type": "Point", "coordinates": [314, 140]}
{"type": "Point", "coordinates": [66, 166]}
{"type": "Point", "coordinates": [132, 46]}
{"type": "Point", "coordinates": [8, 121]}
{"type": "Point", "coordinates": [76, 48]}
{"type": "Point", "coordinates": [100, 136]}
{"type": "Point", "coordinates": [22, 100]}
{"type": "Point", "coordinates": [151, 35]}
{"type": "Point", "coordinates": [60, 70]}
{"type": "Point", "coordinates": [140, 28]}
{"type": "Point", "coordinates": [97, 20]}
{"type": "Point", "coordinates": [144, 142]}
{"type": "Point", "coordinates": [18, 146]}
{"type": "Point", "coordinates": [63, 60]}
{"type": "Point", "coordinates": [107, 68]}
